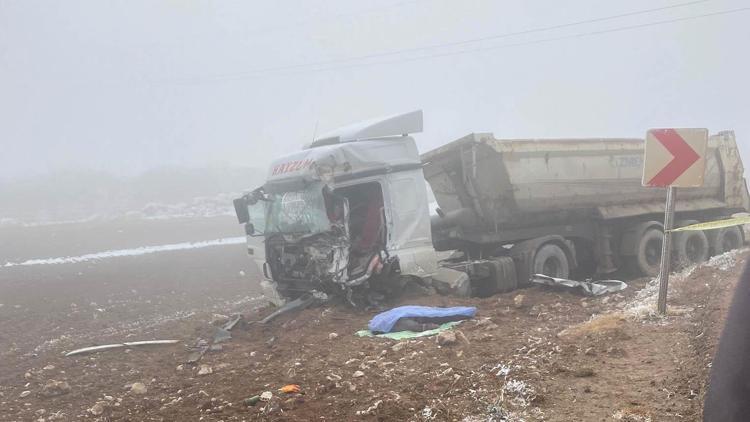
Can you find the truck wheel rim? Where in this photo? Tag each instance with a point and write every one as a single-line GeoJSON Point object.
{"type": "Point", "coordinates": [694, 249]}
{"type": "Point", "coordinates": [653, 252]}
{"type": "Point", "coordinates": [551, 267]}
{"type": "Point", "coordinates": [729, 242]}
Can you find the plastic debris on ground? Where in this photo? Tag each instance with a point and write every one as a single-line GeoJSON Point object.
{"type": "Point", "coordinates": [291, 388]}
{"type": "Point", "coordinates": [404, 335]}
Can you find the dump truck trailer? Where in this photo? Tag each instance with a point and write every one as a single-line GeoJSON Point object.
{"type": "Point", "coordinates": [349, 215]}
{"type": "Point", "coordinates": [559, 205]}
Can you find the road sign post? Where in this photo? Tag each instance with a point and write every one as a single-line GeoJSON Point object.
{"type": "Point", "coordinates": [672, 158]}
{"type": "Point", "coordinates": [666, 250]}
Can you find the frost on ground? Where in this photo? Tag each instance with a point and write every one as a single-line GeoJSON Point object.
{"type": "Point", "coordinates": [144, 250]}
{"type": "Point", "coordinates": [726, 260]}
{"type": "Point", "coordinates": [643, 305]}
{"type": "Point", "coordinates": [626, 415]}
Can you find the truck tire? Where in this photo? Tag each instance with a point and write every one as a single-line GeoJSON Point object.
{"type": "Point", "coordinates": [690, 248]}
{"type": "Point", "coordinates": [551, 260]}
{"type": "Point", "coordinates": [505, 274]}
{"type": "Point", "coordinates": [648, 253]}
{"type": "Point", "coordinates": [501, 277]}
{"type": "Point", "coordinates": [725, 240]}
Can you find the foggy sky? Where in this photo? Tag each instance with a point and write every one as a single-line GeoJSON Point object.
{"type": "Point", "coordinates": [125, 86]}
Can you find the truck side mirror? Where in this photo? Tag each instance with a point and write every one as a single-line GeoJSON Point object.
{"type": "Point", "coordinates": [249, 229]}
{"type": "Point", "coordinates": [240, 208]}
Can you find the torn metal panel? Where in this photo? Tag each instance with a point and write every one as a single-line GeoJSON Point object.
{"type": "Point", "coordinates": [450, 281]}
{"type": "Point", "coordinates": [588, 288]}
{"type": "Point", "coordinates": [297, 305]}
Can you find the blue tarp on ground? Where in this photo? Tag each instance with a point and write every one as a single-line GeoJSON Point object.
{"type": "Point", "coordinates": [384, 322]}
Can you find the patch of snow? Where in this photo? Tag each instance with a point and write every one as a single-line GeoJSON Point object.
{"type": "Point", "coordinates": [621, 415]}
{"type": "Point", "coordinates": [427, 414]}
{"type": "Point", "coordinates": [643, 305]}
{"type": "Point", "coordinates": [521, 394]}
{"type": "Point", "coordinates": [725, 261]}
{"type": "Point", "coordinates": [17, 222]}
{"type": "Point", "coordinates": [143, 250]}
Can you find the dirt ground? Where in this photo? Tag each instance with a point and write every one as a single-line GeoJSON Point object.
{"type": "Point", "coordinates": [534, 354]}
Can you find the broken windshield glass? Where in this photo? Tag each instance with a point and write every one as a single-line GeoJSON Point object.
{"type": "Point", "coordinates": [297, 212]}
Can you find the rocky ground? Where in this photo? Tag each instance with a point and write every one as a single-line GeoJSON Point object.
{"type": "Point", "coordinates": [534, 354]}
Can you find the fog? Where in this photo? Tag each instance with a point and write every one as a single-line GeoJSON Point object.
{"type": "Point", "coordinates": [123, 88]}
{"type": "Point", "coordinates": [143, 277]}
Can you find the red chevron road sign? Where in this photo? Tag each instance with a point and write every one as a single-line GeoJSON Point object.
{"type": "Point", "coordinates": [675, 157]}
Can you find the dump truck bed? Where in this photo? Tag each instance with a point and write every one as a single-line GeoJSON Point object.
{"type": "Point", "coordinates": [527, 182]}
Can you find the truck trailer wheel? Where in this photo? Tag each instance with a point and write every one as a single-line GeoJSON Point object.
{"type": "Point", "coordinates": [551, 260]}
{"type": "Point", "coordinates": [690, 248]}
{"type": "Point", "coordinates": [725, 240]}
{"type": "Point", "coordinates": [505, 274]}
{"type": "Point", "coordinates": [648, 253]}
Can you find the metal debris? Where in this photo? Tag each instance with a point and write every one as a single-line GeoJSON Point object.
{"type": "Point", "coordinates": [298, 304]}
{"type": "Point", "coordinates": [119, 346]}
{"type": "Point", "coordinates": [588, 288]}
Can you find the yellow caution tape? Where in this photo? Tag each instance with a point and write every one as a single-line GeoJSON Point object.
{"type": "Point", "coordinates": [718, 224]}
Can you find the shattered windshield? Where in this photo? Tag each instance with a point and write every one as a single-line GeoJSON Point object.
{"type": "Point", "coordinates": [297, 212]}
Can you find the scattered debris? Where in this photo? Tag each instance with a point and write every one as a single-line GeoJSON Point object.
{"type": "Point", "coordinates": [197, 351]}
{"type": "Point", "coordinates": [358, 374]}
{"type": "Point", "coordinates": [588, 288]}
{"type": "Point", "coordinates": [119, 346]}
{"type": "Point", "coordinates": [370, 410]}
{"type": "Point", "coordinates": [205, 370]}
{"type": "Point", "coordinates": [518, 301]}
{"type": "Point", "coordinates": [97, 409]}
{"type": "Point", "coordinates": [24, 394]}
{"type": "Point", "coordinates": [521, 394]}
{"type": "Point", "coordinates": [219, 319]}
{"type": "Point", "coordinates": [446, 338]}
{"type": "Point", "coordinates": [266, 396]}
{"type": "Point", "coordinates": [223, 333]}
{"type": "Point", "coordinates": [487, 324]}
{"type": "Point", "coordinates": [298, 304]}
{"type": "Point", "coordinates": [138, 388]}
{"type": "Point", "coordinates": [55, 388]}
{"type": "Point", "coordinates": [332, 336]}
{"type": "Point", "coordinates": [290, 388]}
{"type": "Point", "coordinates": [398, 346]}
{"type": "Point", "coordinates": [251, 401]}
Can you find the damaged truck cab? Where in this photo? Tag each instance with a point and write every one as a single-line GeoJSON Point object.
{"type": "Point", "coordinates": [347, 215]}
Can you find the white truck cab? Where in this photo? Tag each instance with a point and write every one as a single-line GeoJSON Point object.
{"type": "Point", "coordinates": [347, 214]}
